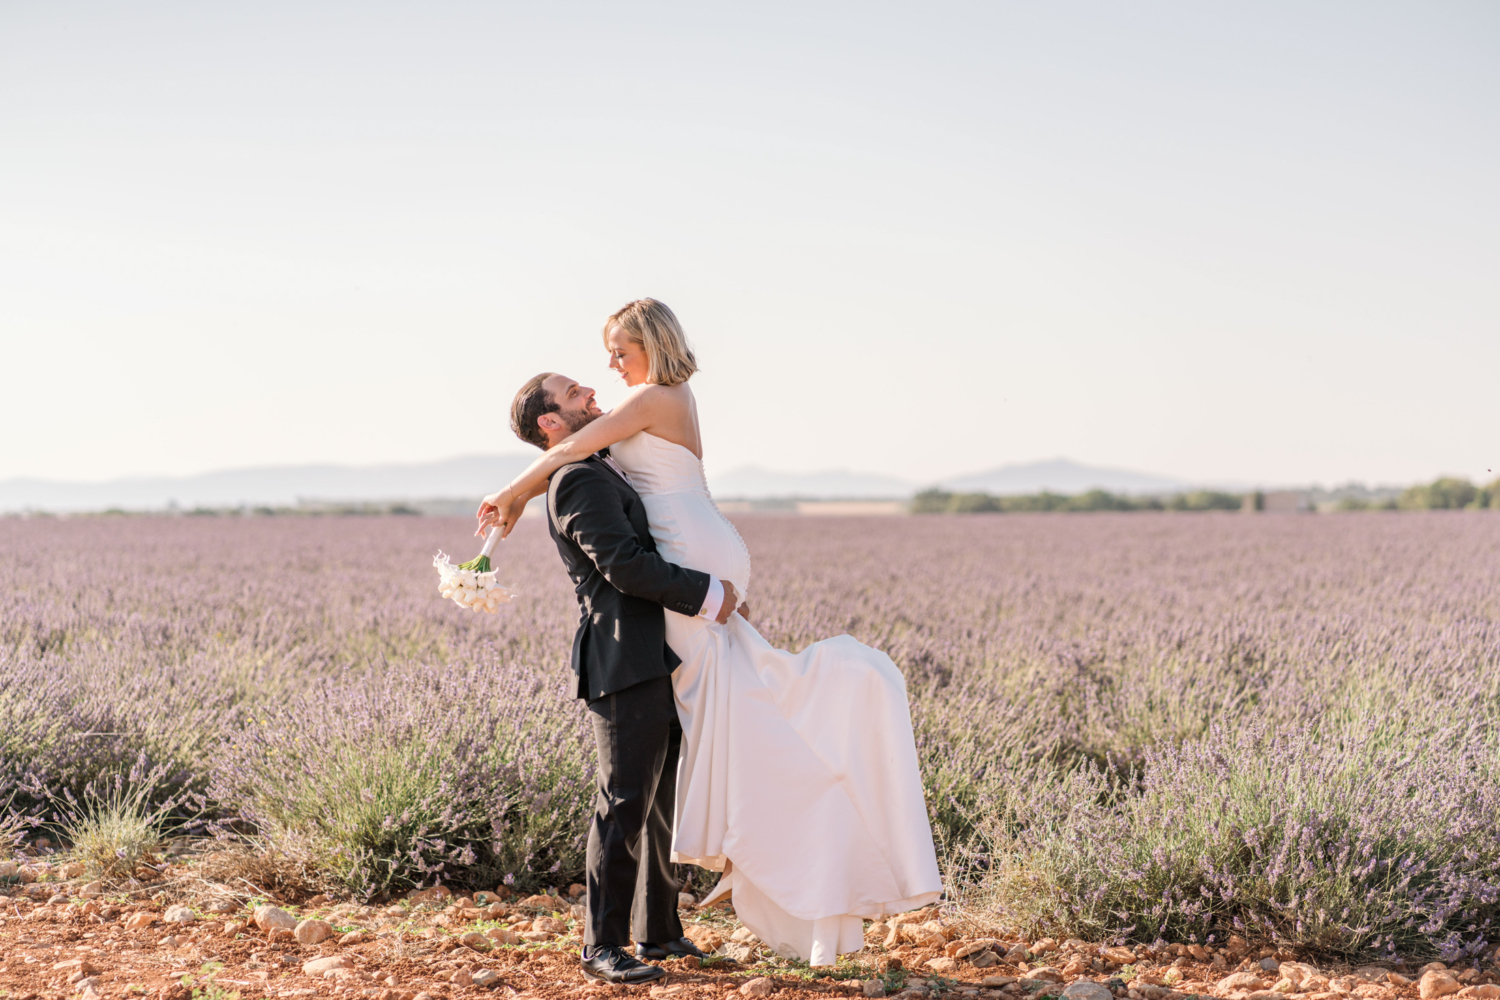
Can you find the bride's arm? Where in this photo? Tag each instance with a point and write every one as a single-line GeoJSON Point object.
{"type": "Point", "coordinates": [637, 413]}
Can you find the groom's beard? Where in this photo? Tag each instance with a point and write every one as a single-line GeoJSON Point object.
{"type": "Point", "coordinates": [576, 419]}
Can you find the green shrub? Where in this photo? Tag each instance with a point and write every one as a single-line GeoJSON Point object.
{"type": "Point", "coordinates": [483, 774]}
{"type": "Point", "coordinates": [930, 502]}
{"type": "Point", "coordinates": [1101, 500]}
{"type": "Point", "coordinates": [1205, 500]}
{"type": "Point", "coordinates": [974, 503]}
{"type": "Point", "coordinates": [114, 832]}
{"type": "Point", "coordinates": [1448, 493]}
{"type": "Point", "coordinates": [942, 502]}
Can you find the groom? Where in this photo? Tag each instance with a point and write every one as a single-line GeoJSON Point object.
{"type": "Point", "coordinates": [624, 669]}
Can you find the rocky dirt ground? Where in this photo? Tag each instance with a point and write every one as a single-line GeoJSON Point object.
{"type": "Point", "coordinates": [184, 938]}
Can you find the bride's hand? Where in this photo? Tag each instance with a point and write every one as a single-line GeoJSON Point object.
{"type": "Point", "coordinates": [492, 511]}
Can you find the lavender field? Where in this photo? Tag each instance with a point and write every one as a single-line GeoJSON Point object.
{"type": "Point", "coordinates": [1175, 726]}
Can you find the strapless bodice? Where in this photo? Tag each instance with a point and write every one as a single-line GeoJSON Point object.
{"type": "Point", "coordinates": [687, 526]}
{"type": "Point", "coordinates": [656, 465]}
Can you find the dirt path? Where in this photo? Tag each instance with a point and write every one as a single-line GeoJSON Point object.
{"type": "Point", "coordinates": [56, 943]}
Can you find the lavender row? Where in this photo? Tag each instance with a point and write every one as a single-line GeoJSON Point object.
{"type": "Point", "coordinates": [1142, 725]}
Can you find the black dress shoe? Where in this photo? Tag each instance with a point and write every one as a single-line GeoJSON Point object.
{"type": "Point", "coordinates": [681, 948]}
{"type": "Point", "coordinates": [610, 964]}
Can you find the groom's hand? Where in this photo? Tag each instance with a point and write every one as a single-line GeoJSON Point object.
{"type": "Point", "coordinates": [731, 601]}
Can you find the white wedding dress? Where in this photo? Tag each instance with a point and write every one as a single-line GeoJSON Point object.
{"type": "Point", "coordinates": [800, 768]}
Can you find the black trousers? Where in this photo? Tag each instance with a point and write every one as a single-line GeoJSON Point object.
{"type": "Point", "coordinates": [630, 840]}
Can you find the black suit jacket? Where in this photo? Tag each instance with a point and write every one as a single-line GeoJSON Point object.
{"type": "Point", "coordinates": [600, 527]}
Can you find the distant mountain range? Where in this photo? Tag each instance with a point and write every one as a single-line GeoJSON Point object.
{"type": "Point", "coordinates": [1059, 475]}
{"type": "Point", "coordinates": [472, 476]}
{"type": "Point", "coordinates": [752, 482]}
{"type": "Point", "coordinates": [276, 486]}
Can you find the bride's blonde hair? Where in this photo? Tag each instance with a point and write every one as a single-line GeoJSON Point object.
{"type": "Point", "coordinates": [651, 324]}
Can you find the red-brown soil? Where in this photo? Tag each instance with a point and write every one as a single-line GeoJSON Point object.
{"type": "Point", "coordinates": [42, 944]}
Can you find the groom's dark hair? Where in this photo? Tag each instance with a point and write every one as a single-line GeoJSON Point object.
{"type": "Point", "coordinates": [530, 403]}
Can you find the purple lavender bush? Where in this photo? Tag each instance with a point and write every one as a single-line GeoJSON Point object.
{"type": "Point", "coordinates": [476, 773]}
{"type": "Point", "coordinates": [190, 639]}
{"type": "Point", "coordinates": [1291, 838]}
{"type": "Point", "coordinates": [1177, 725]}
{"type": "Point", "coordinates": [1190, 726]}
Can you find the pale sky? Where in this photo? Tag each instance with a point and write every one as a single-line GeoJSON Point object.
{"type": "Point", "coordinates": [1250, 242]}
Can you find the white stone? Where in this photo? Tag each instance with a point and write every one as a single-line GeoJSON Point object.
{"type": "Point", "coordinates": [476, 941]}
{"type": "Point", "coordinates": [973, 947]}
{"type": "Point", "coordinates": [1240, 981]}
{"type": "Point", "coordinates": [1085, 990]}
{"type": "Point", "coordinates": [1296, 973]}
{"type": "Point", "coordinates": [140, 921]}
{"type": "Point", "coordinates": [178, 915]}
{"type": "Point", "coordinates": [1436, 983]}
{"type": "Point", "coordinates": [274, 918]}
{"type": "Point", "coordinates": [737, 952]}
{"type": "Point", "coordinates": [313, 931]}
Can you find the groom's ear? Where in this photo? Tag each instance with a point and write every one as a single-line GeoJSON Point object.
{"type": "Point", "coordinates": [549, 422]}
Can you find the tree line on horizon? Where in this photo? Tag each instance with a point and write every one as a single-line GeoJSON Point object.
{"type": "Point", "coordinates": [1446, 493]}
{"type": "Point", "coordinates": [937, 501]}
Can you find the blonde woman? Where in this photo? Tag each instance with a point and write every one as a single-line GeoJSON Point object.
{"type": "Point", "coordinates": [798, 771]}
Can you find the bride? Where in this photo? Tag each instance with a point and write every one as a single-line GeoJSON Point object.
{"type": "Point", "coordinates": [798, 776]}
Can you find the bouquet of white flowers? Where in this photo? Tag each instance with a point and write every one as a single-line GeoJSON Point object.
{"type": "Point", "coordinates": [472, 584]}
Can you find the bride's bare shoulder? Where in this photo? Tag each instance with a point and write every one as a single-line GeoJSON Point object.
{"type": "Point", "coordinates": [664, 397]}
